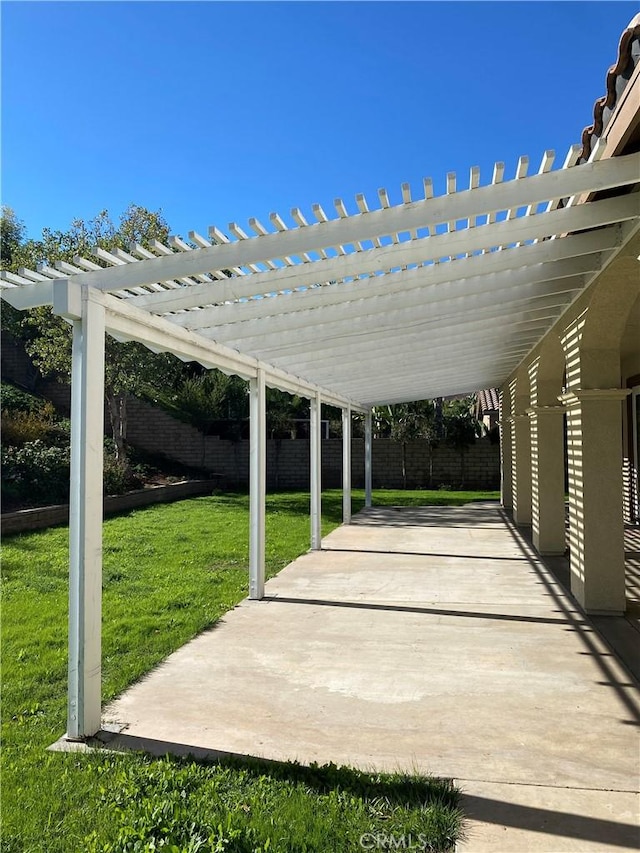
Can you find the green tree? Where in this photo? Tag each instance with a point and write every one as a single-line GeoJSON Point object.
{"type": "Point", "coordinates": [404, 422]}
{"type": "Point", "coordinates": [12, 233]}
{"type": "Point", "coordinates": [461, 428]}
{"type": "Point", "coordinates": [129, 367]}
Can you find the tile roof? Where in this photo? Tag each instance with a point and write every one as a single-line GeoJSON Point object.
{"type": "Point", "coordinates": [488, 401]}
{"type": "Point", "coordinates": [617, 79]}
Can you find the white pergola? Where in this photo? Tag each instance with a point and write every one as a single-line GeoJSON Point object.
{"type": "Point", "coordinates": [434, 296]}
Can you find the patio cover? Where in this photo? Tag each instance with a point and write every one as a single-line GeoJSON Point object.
{"type": "Point", "coordinates": [433, 296]}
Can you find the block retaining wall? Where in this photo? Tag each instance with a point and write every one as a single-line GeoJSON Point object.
{"type": "Point", "coordinates": [35, 519]}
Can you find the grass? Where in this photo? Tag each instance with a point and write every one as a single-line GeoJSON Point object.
{"type": "Point", "coordinates": [169, 572]}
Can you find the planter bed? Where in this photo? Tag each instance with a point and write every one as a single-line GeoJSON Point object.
{"type": "Point", "coordinates": [48, 516]}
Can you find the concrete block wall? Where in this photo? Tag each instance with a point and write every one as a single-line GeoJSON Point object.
{"type": "Point", "coordinates": [288, 460]}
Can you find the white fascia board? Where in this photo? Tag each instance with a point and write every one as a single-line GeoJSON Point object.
{"type": "Point", "coordinates": [601, 175]}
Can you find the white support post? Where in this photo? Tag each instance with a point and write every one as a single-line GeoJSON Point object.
{"type": "Point", "coordinates": [85, 521]}
{"type": "Point", "coordinates": [346, 465]}
{"type": "Point", "coordinates": [367, 458]}
{"type": "Point", "coordinates": [258, 470]}
{"type": "Point", "coordinates": [316, 471]}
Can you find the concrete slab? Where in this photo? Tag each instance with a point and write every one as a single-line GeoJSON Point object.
{"type": "Point", "coordinates": [430, 639]}
{"type": "Point", "coordinates": [536, 819]}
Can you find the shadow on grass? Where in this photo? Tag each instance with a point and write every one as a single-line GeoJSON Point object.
{"type": "Point", "coordinates": [399, 788]}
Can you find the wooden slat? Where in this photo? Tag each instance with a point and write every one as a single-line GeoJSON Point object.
{"type": "Point", "coordinates": [68, 269]}
{"type": "Point", "coordinates": [12, 278]}
{"type": "Point", "coordinates": [30, 275]}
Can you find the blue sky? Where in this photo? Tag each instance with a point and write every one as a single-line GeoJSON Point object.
{"type": "Point", "coordinates": [216, 112]}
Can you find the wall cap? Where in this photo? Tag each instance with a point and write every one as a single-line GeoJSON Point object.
{"type": "Point", "coordinates": [534, 411]}
{"type": "Point", "coordinates": [578, 395]}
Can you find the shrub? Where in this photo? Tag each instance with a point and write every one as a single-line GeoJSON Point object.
{"type": "Point", "coordinates": [19, 428]}
{"type": "Point", "coordinates": [119, 478]}
{"type": "Point", "coordinates": [15, 400]}
{"type": "Point", "coordinates": [36, 473]}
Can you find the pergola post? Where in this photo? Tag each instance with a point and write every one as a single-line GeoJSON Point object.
{"type": "Point", "coordinates": [346, 465]}
{"type": "Point", "coordinates": [257, 486]}
{"type": "Point", "coordinates": [367, 458]}
{"type": "Point", "coordinates": [85, 518]}
{"type": "Point", "coordinates": [316, 471]}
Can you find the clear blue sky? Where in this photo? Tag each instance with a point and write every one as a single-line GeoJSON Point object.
{"type": "Point", "coordinates": [216, 112]}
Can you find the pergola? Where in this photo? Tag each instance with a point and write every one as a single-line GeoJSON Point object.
{"type": "Point", "coordinates": [437, 295]}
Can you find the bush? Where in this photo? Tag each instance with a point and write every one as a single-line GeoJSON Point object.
{"type": "Point", "coordinates": [35, 473]}
{"type": "Point", "coordinates": [119, 478]}
{"type": "Point", "coordinates": [15, 400]}
{"type": "Point", "coordinates": [19, 428]}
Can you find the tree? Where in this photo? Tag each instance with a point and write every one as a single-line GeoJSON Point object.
{"type": "Point", "coordinates": [12, 232]}
{"type": "Point", "coordinates": [406, 422]}
{"type": "Point", "coordinates": [129, 367]}
{"type": "Point", "coordinates": [461, 428]}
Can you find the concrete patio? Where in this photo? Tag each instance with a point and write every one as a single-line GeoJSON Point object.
{"type": "Point", "coordinates": [432, 639]}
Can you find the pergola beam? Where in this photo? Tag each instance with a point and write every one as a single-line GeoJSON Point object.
{"type": "Point", "coordinates": [354, 332]}
{"type": "Point", "coordinates": [525, 228]}
{"type": "Point", "coordinates": [128, 323]}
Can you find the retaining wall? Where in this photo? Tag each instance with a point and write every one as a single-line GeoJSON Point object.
{"type": "Point", "coordinates": [48, 516]}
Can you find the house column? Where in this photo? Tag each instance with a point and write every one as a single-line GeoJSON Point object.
{"type": "Point", "coordinates": [315, 442]}
{"type": "Point", "coordinates": [367, 459]}
{"type": "Point", "coordinates": [596, 529]}
{"type": "Point", "coordinates": [346, 465]}
{"type": "Point", "coordinates": [506, 451]}
{"type": "Point", "coordinates": [520, 454]}
{"type": "Point", "coordinates": [547, 479]}
{"type": "Point", "coordinates": [257, 486]}
{"type": "Point", "coordinates": [85, 507]}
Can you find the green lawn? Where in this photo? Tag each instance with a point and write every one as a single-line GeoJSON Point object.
{"type": "Point", "coordinates": [169, 572]}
